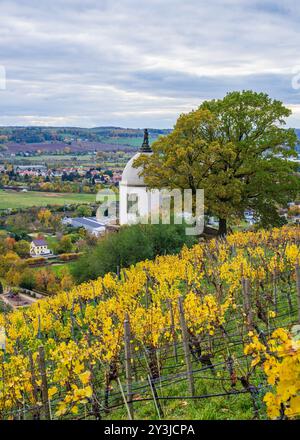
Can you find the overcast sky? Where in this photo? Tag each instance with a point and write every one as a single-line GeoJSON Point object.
{"type": "Point", "coordinates": [140, 63]}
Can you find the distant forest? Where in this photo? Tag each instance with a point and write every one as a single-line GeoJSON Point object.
{"type": "Point", "coordinates": [70, 134]}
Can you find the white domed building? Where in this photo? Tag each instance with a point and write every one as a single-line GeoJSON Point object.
{"type": "Point", "coordinates": [136, 200]}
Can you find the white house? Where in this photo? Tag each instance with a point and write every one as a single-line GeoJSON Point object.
{"type": "Point", "coordinates": [39, 248]}
{"type": "Point", "coordinates": [136, 200]}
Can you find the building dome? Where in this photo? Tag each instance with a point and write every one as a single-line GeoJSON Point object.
{"type": "Point", "coordinates": [131, 176]}
{"type": "Point", "coordinates": [136, 200]}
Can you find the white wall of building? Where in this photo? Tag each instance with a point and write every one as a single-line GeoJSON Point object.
{"type": "Point", "coordinates": [146, 203]}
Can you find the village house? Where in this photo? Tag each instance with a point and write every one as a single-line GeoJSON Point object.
{"type": "Point", "coordinates": [39, 248]}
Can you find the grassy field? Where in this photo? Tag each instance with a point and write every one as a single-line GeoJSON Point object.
{"type": "Point", "coordinates": [42, 158]}
{"type": "Point", "coordinates": [59, 267]}
{"type": "Point", "coordinates": [68, 161]}
{"type": "Point", "coordinates": [13, 199]}
{"type": "Point", "coordinates": [56, 268]}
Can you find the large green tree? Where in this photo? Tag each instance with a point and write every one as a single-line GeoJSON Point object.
{"type": "Point", "coordinates": [237, 149]}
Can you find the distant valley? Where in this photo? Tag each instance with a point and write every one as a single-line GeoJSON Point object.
{"type": "Point", "coordinates": [72, 139]}
{"type": "Point", "coordinates": [57, 140]}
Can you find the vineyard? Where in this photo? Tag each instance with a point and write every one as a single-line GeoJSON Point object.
{"type": "Point", "coordinates": [210, 333]}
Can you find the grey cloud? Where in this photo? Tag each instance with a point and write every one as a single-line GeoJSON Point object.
{"type": "Point", "coordinates": [137, 63]}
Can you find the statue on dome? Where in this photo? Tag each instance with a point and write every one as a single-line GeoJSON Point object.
{"type": "Point", "coordinates": [145, 148]}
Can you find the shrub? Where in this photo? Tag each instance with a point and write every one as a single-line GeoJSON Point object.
{"type": "Point", "coordinates": [130, 245]}
{"type": "Point", "coordinates": [27, 279]}
{"type": "Point", "coordinates": [34, 261]}
{"type": "Point", "coordinates": [68, 257]}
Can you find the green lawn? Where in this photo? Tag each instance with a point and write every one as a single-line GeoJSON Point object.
{"type": "Point", "coordinates": [59, 267]}
{"type": "Point", "coordinates": [55, 268]}
{"type": "Point", "coordinates": [13, 199]}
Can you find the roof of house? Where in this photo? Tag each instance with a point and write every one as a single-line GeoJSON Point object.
{"type": "Point", "coordinates": [88, 221]}
{"type": "Point", "coordinates": [39, 242]}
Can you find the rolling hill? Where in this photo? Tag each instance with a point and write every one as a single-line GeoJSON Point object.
{"type": "Point", "coordinates": [56, 139]}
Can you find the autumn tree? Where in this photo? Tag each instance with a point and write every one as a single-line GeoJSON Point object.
{"type": "Point", "coordinates": [10, 243]}
{"type": "Point", "coordinates": [44, 216]}
{"type": "Point", "coordinates": [45, 280]}
{"type": "Point", "coordinates": [4, 179]}
{"type": "Point", "coordinates": [236, 149]}
{"type": "Point", "coordinates": [84, 211]}
{"type": "Point", "coordinates": [65, 244]}
{"type": "Point", "coordinates": [27, 280]}
{"type": "Point", "coordinates": [55, 222]}
{"type": "Point", "coordinates": [9, 261]}
{"type": "Point", "coordinates": [22, 248]}
{"type": "Point", "coordinates": [66, 279]}
{"type": "Point", "coordinates": [13, 277]}
{"type": "Point", "coordinates": [11, 268]}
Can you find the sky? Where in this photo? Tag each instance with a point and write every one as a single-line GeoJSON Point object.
{"type": "Point", "coordinates": [135, 63]}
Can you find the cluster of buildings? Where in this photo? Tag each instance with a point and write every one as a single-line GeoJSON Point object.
{"type": "Point", "coordinates": [81, 171]}
{"type": "Point", "coordinates": [39, 246]}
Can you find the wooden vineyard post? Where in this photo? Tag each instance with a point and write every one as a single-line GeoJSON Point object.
{"type": "Point", "coordinates": [127, 337]}
{"type": "Point", "coordinates": [36, 413]}
{"type": "Point", "coordinates": [155, 398]}
{"type": "Point", "coordinates": [247, 302]}
{"type": "Point", "coordinates": [124, 398]}
{"type": "Point", "coordinates": [147, 293]}
{"type": "Point", "coordinates": [118, 272]}
{"type": "Point", "coordinates": [185, 342]}
{"type": "Point", "coordinates": [275, 291]}
{"type": "Point", "coordinates": [170, 306]}
{"type": "Point", "coordinates": [298, 289]}
{"type": "Point", "coordinates": [72, 321]}
{"type": "Point", "coordinates": [44, 386]}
